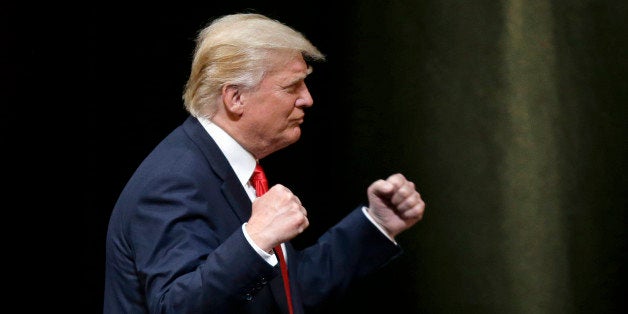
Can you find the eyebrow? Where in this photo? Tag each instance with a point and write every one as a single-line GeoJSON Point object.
{"type": "Point", "coordinates": [302, 77]}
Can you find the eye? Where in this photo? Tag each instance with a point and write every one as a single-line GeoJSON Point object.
{"type": "Point", "coordinates": [290, 88]}
{"type": "Point", "coordinates": [294, 87]}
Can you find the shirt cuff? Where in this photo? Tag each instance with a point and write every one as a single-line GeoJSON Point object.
{"type": "Point", "coordinates": [271, 259]}
{"type": "Point", "coordinates": [366, 213]}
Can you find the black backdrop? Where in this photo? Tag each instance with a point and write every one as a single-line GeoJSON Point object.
{"type": "Point", "coordinates": [414, 86]}
{"type": "Point", "coordinates": [137, 63]}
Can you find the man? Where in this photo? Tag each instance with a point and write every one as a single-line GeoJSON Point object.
{"type": "Point", "coordinates": [188, 233]}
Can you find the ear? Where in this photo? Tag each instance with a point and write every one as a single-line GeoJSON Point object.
{"type": "Point", "coordinates": [232, 99]}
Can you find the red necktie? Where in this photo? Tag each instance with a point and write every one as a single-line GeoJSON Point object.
{"type": "Point", "coordinates": [261, 186]}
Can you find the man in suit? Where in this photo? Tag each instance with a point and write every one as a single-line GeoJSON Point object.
{"type": "Point", "coordinates": [188, 233]}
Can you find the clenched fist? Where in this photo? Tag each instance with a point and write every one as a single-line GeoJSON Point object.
{"type": "Point", "coordinates": [395, 204]}
{"type": "Point", "coordinates": [277, 217]}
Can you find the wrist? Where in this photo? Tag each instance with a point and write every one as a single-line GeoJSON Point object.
{"type": "Point", "coordinates": [372, 217]}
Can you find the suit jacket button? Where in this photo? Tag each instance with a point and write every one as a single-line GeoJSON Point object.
{"type": "Point", "coordinates": [249, 297]}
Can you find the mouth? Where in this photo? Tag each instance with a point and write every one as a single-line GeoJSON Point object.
{"type": "Point", "coordinates": [298, 120]}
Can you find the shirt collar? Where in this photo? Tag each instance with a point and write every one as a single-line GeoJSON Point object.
{"type": "Point", "coordinates": [242, 162]}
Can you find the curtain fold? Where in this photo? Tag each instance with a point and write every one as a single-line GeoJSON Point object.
{"type": "Point", "coordinates": [511, 118]}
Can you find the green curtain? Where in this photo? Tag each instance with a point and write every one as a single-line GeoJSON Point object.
{"type": "Point", "coordinates": [511, 118]}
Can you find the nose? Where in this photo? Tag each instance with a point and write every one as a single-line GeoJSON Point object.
{"type": "Point", "coordinates": [305, 98]}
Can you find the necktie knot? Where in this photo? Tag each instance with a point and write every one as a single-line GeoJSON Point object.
{"type": "Point", "coordinates": [258, 179]}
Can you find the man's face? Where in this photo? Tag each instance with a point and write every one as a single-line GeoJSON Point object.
{"type": "Point", "coordinates": [275, 110]}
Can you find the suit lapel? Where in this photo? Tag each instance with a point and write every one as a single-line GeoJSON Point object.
{"type": "Point", "coordinates": [231, 188]}
{"type": "Point", "coordinates": [235, 194]}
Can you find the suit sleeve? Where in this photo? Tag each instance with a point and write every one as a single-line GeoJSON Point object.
{"type": "Point", "coordinates": [351, 249]}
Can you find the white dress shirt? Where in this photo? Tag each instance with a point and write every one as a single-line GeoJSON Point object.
{"type": "Point", "coordinates": [243, 164]}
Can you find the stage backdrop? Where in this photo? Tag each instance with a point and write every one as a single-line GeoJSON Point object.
{"type": "Point", "coordinates": [510, 117]}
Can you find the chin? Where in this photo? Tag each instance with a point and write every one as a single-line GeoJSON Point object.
{"type": "Point", "coordinates": [296, 135]}
{"type": "Point", "coordinates": [291, 138]}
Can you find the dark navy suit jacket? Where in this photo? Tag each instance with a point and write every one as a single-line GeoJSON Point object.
{"type": "Point", "coordinates": [175, 242]}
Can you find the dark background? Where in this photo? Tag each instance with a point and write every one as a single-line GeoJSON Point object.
{"type": "Point", "coordinates": [138, 66]}
{"type": "Point", "coordinates": [510, 116]}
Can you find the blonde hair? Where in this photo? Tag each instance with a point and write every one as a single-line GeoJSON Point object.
{"type": "Point", "coordinates": [234, 50]}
